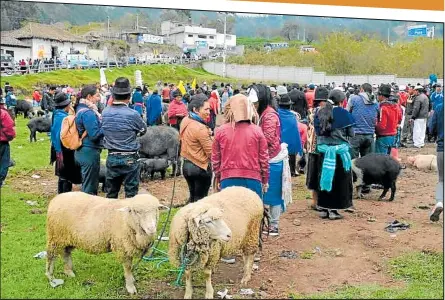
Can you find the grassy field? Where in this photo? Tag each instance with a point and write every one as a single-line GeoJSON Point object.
{"type": "Point", "coordinates": [101, 276]}
{"type": "Point", "coordinates": [75, 78]}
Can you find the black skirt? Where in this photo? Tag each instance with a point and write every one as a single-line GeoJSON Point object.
{"type": "Point", "coordinates": [340, 196]}
{"type": "Point", "coordinates": [313, 171]}
{"type": "Point", "coordinates": [71, 169]}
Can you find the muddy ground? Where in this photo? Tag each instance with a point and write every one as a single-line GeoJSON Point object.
{"type": "Point", "coordinates": [351, 251]}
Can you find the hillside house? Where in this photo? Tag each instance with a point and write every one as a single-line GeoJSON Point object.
{"type": "Point", "coordinates": [42, 41]}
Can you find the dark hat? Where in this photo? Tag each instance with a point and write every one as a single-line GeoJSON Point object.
{"type": "Point", "coordinates": [337, 96]}
{"type": "Point", "coordinates": [284, 100]}
{"type": "Point", "coordinates": [122, 86]}
{"type": "Point", "coordinates": [385, 90]}
{"type": "Point", "coordinates": [177, 93]}
{"type": "Point", "coordinates": [61, 100]}
{"type": "Point", "coordinates": [321, 94]}
{"type": "Point", "coordinates": [438, 85]}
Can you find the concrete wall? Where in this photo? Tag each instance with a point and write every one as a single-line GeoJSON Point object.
{"type": "Point", "coordinates": [19, 52]}
{"type": "Point", "coordinates": [62, 47]}
{"type": "Point", "coordinates": [279, 75]}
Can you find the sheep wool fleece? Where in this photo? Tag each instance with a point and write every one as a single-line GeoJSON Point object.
{"type": "Point", "coordinates": [95, 225]}
{"type": "Point", "coordinates": [242, 212]}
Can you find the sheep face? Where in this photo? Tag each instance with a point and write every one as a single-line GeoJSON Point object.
{"type": "Point", "coordinates": [211, 223]}
{"type": "Point", "coordinates": [146, 220]}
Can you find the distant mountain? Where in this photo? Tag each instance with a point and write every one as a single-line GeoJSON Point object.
{"type": "Point", "coordinates": [14, 13]}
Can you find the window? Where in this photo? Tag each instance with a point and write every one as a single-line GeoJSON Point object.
{"type": "Point", "coordinates": [190, 35]}
{"type": "Point", "coordinates": [202, 36]}
{"type": "Point", "coordinates": [211, 37]}
{"type": "Point", "coordinates": [228, 37]}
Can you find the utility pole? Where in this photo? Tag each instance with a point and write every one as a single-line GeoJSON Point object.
{"type": "Point", "coordinates": [224, 49]}
{"type": "Point", "coordinates": [388, 36]}
{"type": "Point", "coordinates": [108, 25]}
{"type": "Point", "coordinates": [137, 21]}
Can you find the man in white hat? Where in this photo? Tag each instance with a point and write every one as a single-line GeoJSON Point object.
{"type": "Point", "coordinates": [419, 116]}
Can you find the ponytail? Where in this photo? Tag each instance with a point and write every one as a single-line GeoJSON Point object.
{"type": "Point", "coordinates": [325, 117]}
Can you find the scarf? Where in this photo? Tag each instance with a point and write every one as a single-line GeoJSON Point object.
{"type": "Point", "coordinates": [329, 161]}
{"type": "Point", "coordinates": [286, 179]}
{"type": "Point", "coordinates": [91, 106]}
{"type": "Point", "coordinates": [197, 118]}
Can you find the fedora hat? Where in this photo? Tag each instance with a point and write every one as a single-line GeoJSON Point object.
{"type": "Point", "coordinates": [122, 86]}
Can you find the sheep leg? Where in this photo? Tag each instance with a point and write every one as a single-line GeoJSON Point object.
{"type": "Point", "coordinates": [393, 191]}
{"type": "Point", "coordinates": [359, 173]}
{"type": "Point", "coordinates": [50, 261]}
{"type": "Point", "coordinates": [209, 287]}
{"type": "Point", "coordinates": [129, 279]}
{"type": "Point", "coordinates": [188, 284]}
{"type": "Point", "coordinates": [248, 265]}
{"type": "Point", "coordinates": [68, 262]}
{"type": "Point", "coordinates": [385, 190]}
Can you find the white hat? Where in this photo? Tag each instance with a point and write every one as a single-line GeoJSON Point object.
{"type": "Point", "coordinates": [402, 87]}
{"type": "Point", "coordinates": [272, 89]}
{"type": "Point", "coordinates": [418, 87]}
{"type": "Point", "coordinates": [253, 96]}
{"type": "Point", "coordinates": [281, 90]}
{"type": "Point", "coordinates": [339, 88]}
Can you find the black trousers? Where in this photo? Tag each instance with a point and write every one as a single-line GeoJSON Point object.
{"type": "Point", "coordinates": [293, 164]}
{"type": "Point", "coordinates": [198, 180]}
{"type": "Point", "coordinates": [64, 186]}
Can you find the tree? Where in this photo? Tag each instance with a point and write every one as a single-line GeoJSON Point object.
{"type": "Point", "coordinates": [290, 30]}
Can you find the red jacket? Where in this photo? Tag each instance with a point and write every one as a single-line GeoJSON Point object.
{"type": "Point", "coordinates": [270, 124]}
{"type": "Point", "coordinates": [390, 115]}
{"type": "Point", "coordinates": [403, 98]}
{"type": "Point", "coordinates": [176, 108]}
{"type": "Point", "coordinates": [310, 95]}
{"type": "Point", "coordinates": [302, 128]}
{"type": "Point", "coordinates": [240, 152]}
{"type": "Point", "coordinates": [36, 96]}
{"type": "Point", "coordinates": [7, 131]}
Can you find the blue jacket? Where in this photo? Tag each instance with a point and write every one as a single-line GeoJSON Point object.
{"type": "Point", "coordinates": [364, 112]}
{"type": "Point", "coordinates": [436, 99]}
{"type": "Point", "coordinates": [154, 108]}
{"type": "Point", "coordinates": [59, 115]}
{"type": "Point", "coordinates": [289, 131]}
{"type": "Point", "coordinates": [121, 125]}
{"type": "Point", "coordinates": [89, 121]}
{"type": "Point", "coordinates": [10, 99]}
{"type": "Point", "coordinates": [437, 126]}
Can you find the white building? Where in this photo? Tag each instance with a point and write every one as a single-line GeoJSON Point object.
{"type": "Point", "coordinates": [193, 36]}
{"type": "Point", "coordinates": [44, 41]}
{"type": "Point", "coordinates": [14, 47]}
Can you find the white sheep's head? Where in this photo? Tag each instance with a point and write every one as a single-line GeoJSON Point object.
{"type": "Point", "coordinates": [139, 218]}
{"type": "Point", "coordinates": [208, 225]}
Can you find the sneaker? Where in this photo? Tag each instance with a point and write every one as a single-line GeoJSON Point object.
{"type": "Point", "coordinates": [324, 214]}
{"type": "Point", "coordinates": [228, 260]}
{"type": "Point", "coordinates": [273, 231]}
{"type": "Point", "coordinates": [256, 258]}
{"type": "Point", "coordinates": [435, 213]}
{"type": "Point", "coordinates": [350, 210]}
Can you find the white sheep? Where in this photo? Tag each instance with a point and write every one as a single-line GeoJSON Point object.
{"type": "Point", "coordinates": [423, 162]}
{"type": "Point", "coordinates": [216, 226]}
{"type": "Point", "coordinates": [99, 225]}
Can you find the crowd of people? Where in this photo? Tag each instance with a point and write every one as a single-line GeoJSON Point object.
{"type": "Point", "coordinates": [268, 135]}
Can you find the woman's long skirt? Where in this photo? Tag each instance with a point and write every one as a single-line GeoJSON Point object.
{"type": "Point", "coordinates": [340, 197]}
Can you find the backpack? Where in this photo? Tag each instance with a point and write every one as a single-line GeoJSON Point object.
{"type": "Point", "coordinates": [69, 135]}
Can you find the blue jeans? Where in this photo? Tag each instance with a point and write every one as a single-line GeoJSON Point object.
{"type": "Point", "coordinates": [122, 169]}
{"type": "Point", "coordinates": [89, 160]}
{"type": "Point", "coordinates": [384, 144]}
{"type": "Point", "coordinates": [5, 157]}
{"type": "Point", "coordinates": [251, 184]}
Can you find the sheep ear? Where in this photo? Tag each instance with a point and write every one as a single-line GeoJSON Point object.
{"type": "Point", "coordinates": [124, 209]}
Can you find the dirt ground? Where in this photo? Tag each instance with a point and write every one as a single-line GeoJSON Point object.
{"type": "Point", "coordinates": [350, 251]}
